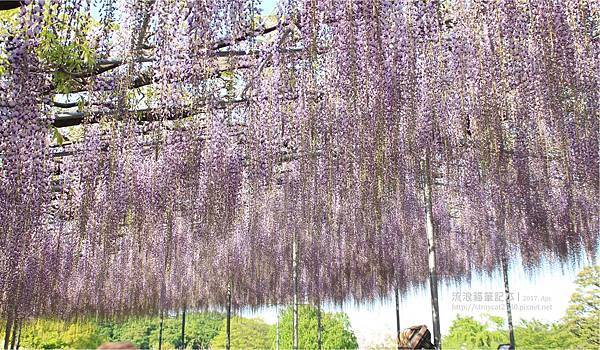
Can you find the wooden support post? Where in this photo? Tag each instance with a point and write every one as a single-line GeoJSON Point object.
{"type": "Point", "coordinates": [433, 283]}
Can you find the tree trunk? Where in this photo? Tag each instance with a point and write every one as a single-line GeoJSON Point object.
{"type": "Point", "coordinates": [511, 331]}
{"type": "Point", "coordinates": [433, 283]}
{"type": "Point", "coordinates": [228, 324]}
{"type": "Point", "coordinates": [295, 282]}
{"type": "Point", "coordinates": [397, 317]}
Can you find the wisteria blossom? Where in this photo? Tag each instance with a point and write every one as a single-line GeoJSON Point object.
{"type": "Point", "coordinates": [221, 139]}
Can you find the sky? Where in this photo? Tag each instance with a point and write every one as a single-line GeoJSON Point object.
{"type": "Point", "coordinates": [268, 6]}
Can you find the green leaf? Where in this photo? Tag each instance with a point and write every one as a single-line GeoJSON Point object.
{"type": "Point", "coordinates": [58, 136]}
{"type": "Point", "coordinates": [227, 75]}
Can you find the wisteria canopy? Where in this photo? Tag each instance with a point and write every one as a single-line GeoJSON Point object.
{"type": "Point", "coordinates": [200, 139]}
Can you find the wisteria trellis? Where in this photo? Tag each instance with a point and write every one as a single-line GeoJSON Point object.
{"type": "Point", "coordinates": [315, 127]}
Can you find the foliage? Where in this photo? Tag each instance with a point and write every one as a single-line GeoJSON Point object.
{"type": "Point", "coordinates": [63, 44]}
{"type": "Point", "coordinates": [534, 334]}
{"type": "Point", "coordinates": [336, 330]}
{"type": "Point", "coordinates": [583, 314]}
{"type": "Point", "coordinates": [200, 329]}
{"type": "Point", "coordinates": [468, 333]}
{"type": "Point", "coordinates": [53, 334]}
{"type": "Point", "coordinates": [66, 58]}
{"type": "Point", "coordinates": [246, 333]}
{"type": "Point", "coordinates": [8, 19]}
{"type": "Point", "coordinates": [135, 330]}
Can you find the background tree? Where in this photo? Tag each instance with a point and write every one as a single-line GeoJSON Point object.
{"type": "Point", "coordinates": [201, 328]}
{"type": "Point", "coordinates": [135, 330]}
{"type": "Point", "coordinates": [535, 334]}
{"type": "Point", "coordinates": [468, 333]}
{"type": "Point", "coordinates": [246, 333]}
{"type": "Point", "coordinates": [336, 330]}
{"type": "Point", "coordinates": [171, 334]}
{"type": "Point", "coordinates": [583, 314]}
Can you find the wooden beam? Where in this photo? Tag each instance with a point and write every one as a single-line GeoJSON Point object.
{"type": "Point", "coordinates": [142, 115]}
{"type": "Point", "coordinates": [9, 4]}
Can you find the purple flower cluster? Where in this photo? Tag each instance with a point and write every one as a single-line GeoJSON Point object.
{"type": "Point", "coordinates": [316, 135]}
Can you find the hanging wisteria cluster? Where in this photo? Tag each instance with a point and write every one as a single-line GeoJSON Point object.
{"type": "Point", "coordinates": [218, 141]}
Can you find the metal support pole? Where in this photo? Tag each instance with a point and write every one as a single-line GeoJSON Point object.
{"type": "Point", "coordinates": [319, 331]}
{"type": "Point", "coordinates": [19, 336]}
{"type": "Point", "coordinates": [511, 331]}
{"type": "Point", "coordinates": [397, 317]}
{"type": "Point", "coordinates": [7, 329]}
{"type": "Point", "coordinates": [277, 331]}
{"type": "Point", "coordinates": [228, 325]}
{"type": "Point", "coordinates": [295, 281]}
{"type": "Point", "coordinates": [160, 332]}
{"type": "Point", "coordinates": [14, 334]}
{"type": "Point", "coordinates": [183, 328]}
{"type": "Point", "coordinates": [433, 283]}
